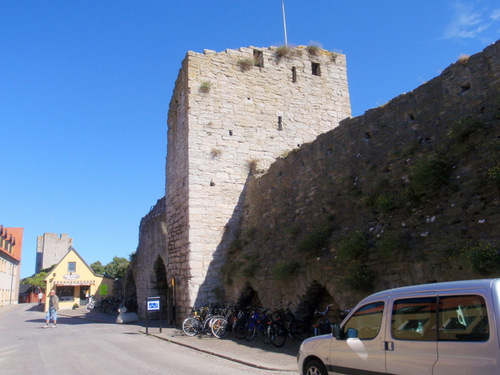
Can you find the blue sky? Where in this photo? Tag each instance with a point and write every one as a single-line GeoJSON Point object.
{"type": "Point", "coordinates": [85, 88]}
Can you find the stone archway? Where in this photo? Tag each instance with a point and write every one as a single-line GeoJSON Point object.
{"type": "Point", "coordinates": [249, 297]}
{"type": "Point", "coordinates": [130, 292]}
{"type": "Point", "coordinates": [318, 298]}
{"type": "Point", "coordinates": [159, 285]}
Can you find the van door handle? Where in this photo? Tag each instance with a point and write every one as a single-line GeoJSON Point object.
{"type": "Point", "coordinates": [389, 346]}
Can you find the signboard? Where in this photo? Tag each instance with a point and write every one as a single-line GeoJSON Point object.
{"type": "Point", "coordinates": [103, 290]}
{"type": "Point", "coordinates": [154, 305]}
{"type": "Point", "coordinates": [71, 276]}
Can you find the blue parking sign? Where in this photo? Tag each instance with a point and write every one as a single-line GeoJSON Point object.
{"type": "Point", "coordinates": [154, 305]}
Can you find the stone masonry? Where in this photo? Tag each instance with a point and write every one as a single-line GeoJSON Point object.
{"type": "Point", "coordinates": [144, 279]}
{"type": "Point", "coordinates": [247, 161]}
{"type": "Point", "coordinates": [232, 114]}
{"type": "Point", "coordinates": [50, 249]}
{"type": "Point", "coordinates": [329, 183]}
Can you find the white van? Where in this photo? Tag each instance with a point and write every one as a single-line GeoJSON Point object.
{"type": "Point", "coordinates": [450, 328]}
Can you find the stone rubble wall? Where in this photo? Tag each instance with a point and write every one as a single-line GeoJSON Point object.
{"type": "Point", "coordinates": [299, 190]}
{"type": "Point", "coordinates": [51, 248]}
{"type": "Point", "coordinates": [216, 139]}
{"type": "Point", "coordinates": [152, 245]}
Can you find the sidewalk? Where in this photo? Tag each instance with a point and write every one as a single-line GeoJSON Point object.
{"type": "Point", "coordinates": [255, 353]}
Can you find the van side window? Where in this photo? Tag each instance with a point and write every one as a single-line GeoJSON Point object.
{"type": "Point", "coordinates": [365, 322]}
{"type": "Point", "coordinates": [414, 319]}
{"type": "Point", "coordinates": [463, 318]}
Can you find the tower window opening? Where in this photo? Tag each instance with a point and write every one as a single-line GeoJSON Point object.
{"type": "Point", "coordinates": [294, 74]}
{"type": "Point", "coordinates": [258, 58]}
{"type": "Point", "coordinates": [280, 123]}
{"type": "Point", "coordinates": [230, 132]}
{"type": "Point", "coordinates": [316, 70]}
{"type": "Point", "coordinates": [464, 88]}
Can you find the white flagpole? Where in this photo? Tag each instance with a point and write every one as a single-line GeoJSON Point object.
{"type": "Point", "coordinates": [284, 21]}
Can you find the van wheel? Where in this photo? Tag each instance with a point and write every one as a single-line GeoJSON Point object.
{"type": "Point", "coordinates": [315, 367]}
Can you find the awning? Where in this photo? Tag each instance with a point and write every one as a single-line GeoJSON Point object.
{"type": "Point", "coordinates": [74, 282]}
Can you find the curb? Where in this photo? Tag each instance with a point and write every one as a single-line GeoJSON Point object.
{"type": "Point", "coordinates": [246, 363]}
{"type": "Point", "coordinates": [186, 345]}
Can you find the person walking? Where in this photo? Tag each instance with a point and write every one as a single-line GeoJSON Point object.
{"type": "Point", "coordinates": [40, 297]}
{"type": "Point", "coordinates": [53, 307]}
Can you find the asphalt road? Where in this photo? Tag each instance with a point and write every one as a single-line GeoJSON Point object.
{"type": "Point", "coordinates": [79, 346]}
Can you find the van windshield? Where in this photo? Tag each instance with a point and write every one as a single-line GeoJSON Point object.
{"type": "Point", "coordinates": [365, 322]}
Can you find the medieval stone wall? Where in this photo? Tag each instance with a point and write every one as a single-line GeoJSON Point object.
{"type": "Point", "coordinates": [50, 249]}
{"type": "Point", "coordinates": [142, 279]}
{"type": "Point", "coordinates": [366, 180]}
{"type": "Point", "coordinates": [278, 236]}
{"type": "Point", "coordinates": [232, 113]}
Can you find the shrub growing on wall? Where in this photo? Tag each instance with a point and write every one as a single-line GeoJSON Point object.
{"type": "Point", "coordinates": [484, 258]}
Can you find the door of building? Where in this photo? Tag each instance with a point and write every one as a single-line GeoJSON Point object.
{"type": "Point", "coordinates": [84, 295]}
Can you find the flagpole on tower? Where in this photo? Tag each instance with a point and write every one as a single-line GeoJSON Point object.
{"type": "Point", "coordinates": [284, 21]}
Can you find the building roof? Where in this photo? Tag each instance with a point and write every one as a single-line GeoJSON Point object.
{"type": "Point", "coordinates": [14, 236]}
{"type": "Point", "coordinates": [64, 257]}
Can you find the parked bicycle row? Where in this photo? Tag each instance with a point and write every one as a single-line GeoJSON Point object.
{"type": "Point", "coordinates": [272, 327]}
{"type": "Point", "coordinates": [108, 305]}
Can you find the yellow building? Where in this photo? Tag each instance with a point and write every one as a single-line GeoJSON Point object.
{"type": "Point", "coordinates": [74, 281]}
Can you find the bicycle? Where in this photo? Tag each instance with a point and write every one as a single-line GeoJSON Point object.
{"type": "Point", "coordinates": [285, 324]}
{"type": "Point", "coordinates": [322, 325]}
{"type": "Point", "coordinates": [200, 321]}
{"type": "Point", "coordinates": [90, 304]}
{"type": "Point", "coordinates": [258, 323]}
{"type": "Point", "coordinates": [193, 324]}
{"type": "Point", "coordinates": [240, 322]}
{"type": "Point", "coordinates": [221, 325]}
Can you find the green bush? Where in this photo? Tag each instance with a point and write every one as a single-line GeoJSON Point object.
{"type": "Point", "coordinates": [284, 270]}
{"type": "Point", "coordinates": [359, 277]}
{"type": "Point", "coordinates": [484, 258]}
{"type": "Point", "coordinates": [494, 176]}
{"type": "Point", "coordinates": [354, 246]}
{"type": "Point", "coordinates": [461, 130]}
{"type": "Point", "coordinates": [282, 51]}
{"type": "Point", "coordinates": [428, 175]}
{"type": "Point", "coordinates": [249, 265]}
{"type": "Point", "coordinates": [392, 243]}
{"type": "Point", "coordinates": [245, 64]}
{"type": "Point", "coordinates": [205, 86]}
{"type": "Point", "coordinates": [313, 49]}
{"type": "Point", "coordinates": [316, 241]}
{"type": "Point", "coordinates": [235, 246]}
{"type": "Point", "coordinates": [292, 231]}
{"type": "Point", "coordinates": [385, 203]}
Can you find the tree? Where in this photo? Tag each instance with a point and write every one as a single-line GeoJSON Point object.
{"type": "Point", "coordinates": [117, 268]}
{"type": "Point", "coordinates": [98, 268]}
{"type": "Point", "coordinates": [38, 280]}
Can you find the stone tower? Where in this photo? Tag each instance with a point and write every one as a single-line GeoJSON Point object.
{"type": "Point", "coordinates": [50, 249]}
{"type": "Point", "coordinates": [231, 115]}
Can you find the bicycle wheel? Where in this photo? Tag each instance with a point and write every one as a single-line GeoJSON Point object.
{"type": "Point", "coordinates": [262, 329]}
{"type": "Point", "coordinates": [207, 325]}
{"type": "Point", "coordinates": [250, 330]}
{"type": "Point", "coordinates": [298, 330]}
{"type": "Point", "coordinates": [220, 327]}
{"type": "Point", "coordinates": [89, 306]}
{"type": "Point", "coordinates": [239, 328]}
{"type": "Point", "coordinates": [191, 326]}
{"type": "Point", "coordinates": [277, 334]}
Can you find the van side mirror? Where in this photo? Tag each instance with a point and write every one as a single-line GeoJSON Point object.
{"type": "Point", "coordinates": [337, 333]}
{"type": "Point", "coordinates": [352, 333]}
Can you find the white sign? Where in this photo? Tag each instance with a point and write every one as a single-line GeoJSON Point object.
{"type": "Point", "coordinates": [153, 305]}
{"type": "Point", "coordinates": [71, 276]}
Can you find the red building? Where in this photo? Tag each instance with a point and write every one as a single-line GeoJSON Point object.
{"type": "Point", "coordinates": [11, 245]}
